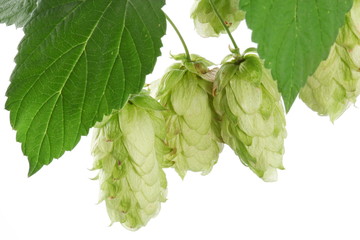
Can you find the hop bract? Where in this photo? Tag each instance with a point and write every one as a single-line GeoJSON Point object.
{"type": "Point", "coordinates": [191, 128]}
{"type": "Point", "coordinates": [207, 24]}
{"type": "Point", "coordinates": [335, 84]}
{"type": "Point", "coordinates": [252, 114]}
{"type": "Point", "coordinates": [128, 148]}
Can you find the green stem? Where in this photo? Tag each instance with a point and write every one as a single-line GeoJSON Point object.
{"type": "Point", "coordinates": [237, 50]}
{"type": "Point", "coordinates": [188, 57]}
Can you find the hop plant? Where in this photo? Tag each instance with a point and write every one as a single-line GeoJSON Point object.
{"type": "Point", "coordinates": [207, 24]}
{"type": "Point", "coordinates": [336, 82]}
{"type": "Point", "coordinates": [128, 147]}
{"type": "Point", "coordinates": [192, 130]}
{"type": "Point", "coordinates": [252, 114]}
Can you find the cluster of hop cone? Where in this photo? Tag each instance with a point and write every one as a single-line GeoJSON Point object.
{"type": "Point", "coordinates": [199, 107]}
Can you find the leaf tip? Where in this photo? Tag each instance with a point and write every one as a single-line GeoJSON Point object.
{"type": "Point", "coordinates": [289, 103]}
{"type": "Point", "coordinates": [34, 168]}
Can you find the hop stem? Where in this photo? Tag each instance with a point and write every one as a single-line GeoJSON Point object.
{"type": "Point", "coordinates": [188, 57]}
{"type": "Point", "coordinates": [236, 50]}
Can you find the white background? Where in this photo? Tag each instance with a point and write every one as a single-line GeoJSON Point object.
{"type": "Point", "coordinates": [316, 197]}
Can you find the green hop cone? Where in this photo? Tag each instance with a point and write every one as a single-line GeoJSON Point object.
{"type": "Point", "coordinates": [192, 132]}
{"type": "Point", "coordinates": [128, 148]}
{"type": "Point", "coordinates": [349, 34]}
{"type": "Point", "coordinates": [336, 82]}
{"type": "Point", "coordinates": [207, 24]}
{"type": "Point", "coordinates": [252, 115]}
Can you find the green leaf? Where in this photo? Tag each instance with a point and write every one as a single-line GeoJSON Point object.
{"type": "Point", "coordinates": [79, 60]}
{"type": "Point", "coordinates": [16, 12]}
{"type": "Point", "coordinates": [294, 37]}
{"type": "Point", "coordinates": [146, 102]}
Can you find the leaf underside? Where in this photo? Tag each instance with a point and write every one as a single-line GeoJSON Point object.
{"type": "Point", "coordinates": [16, 12]}
{"type": "Point", "coordinates": [294, 37]}
{"type": "Point", "coordinates": [79, 60]}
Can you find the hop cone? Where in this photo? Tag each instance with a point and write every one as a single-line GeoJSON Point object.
{"type": "Point", "coordinates": [335, 84]}
{"type": "Point", "coordinates": [190, 126]}
{"type": "Point", "coordinates": [128, 152]}
{"type": "Point", "coordinates": [253, 118]}
{"type": "Point", "coordinates": [207, 24]}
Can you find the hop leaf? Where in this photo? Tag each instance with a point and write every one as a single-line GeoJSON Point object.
{"type": "Point", "coordinates": [252, 115]}
{"type": "Point", "coordinates": [16, 12]}
{"type": "Point", "coordinates": [207, 24]}
{"type": "Point", "coordinates": [335, 84]}
{"type": "Point", "coordinates": [128, 147]}
{"type": "Point", "coordinates": [190, 121]}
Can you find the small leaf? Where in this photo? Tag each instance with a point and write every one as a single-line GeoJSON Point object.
{"type": "Point", "coordinates": [294, 37]}
{"type": "Point", "coordinates": [16, 12]}
{"type": "Point", "coordinates": [146, 102]}
{"type": "Point", "coordinates": [78, 61]}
